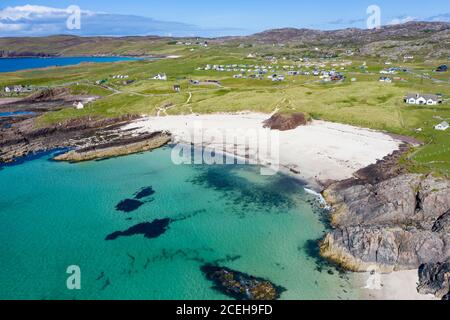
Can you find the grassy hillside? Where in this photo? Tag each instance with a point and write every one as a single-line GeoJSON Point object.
{"type": "Point", "coordinates": [365, 102]}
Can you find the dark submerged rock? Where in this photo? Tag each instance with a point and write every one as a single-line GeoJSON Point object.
{"type": "Point", "coordinates": [241, 286]}
{"type": "Point", "coordinates": [150, 230]}
{"type": "Point", "coordinates": [129, 205]}
{"type": "Point", "coordinates": [144, 193]}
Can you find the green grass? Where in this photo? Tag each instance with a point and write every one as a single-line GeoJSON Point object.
{"type": "Point", "coordinates": [365, 103]}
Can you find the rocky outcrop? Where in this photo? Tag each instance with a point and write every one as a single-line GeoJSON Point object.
{"type": "Point", "coordinates": [25, 138]}
{"type": "Point", "coordinates": [381, 248]}
{"type": "Point", "coordinates": [406, 200]}
{"type": "Point", "coordinates": [286, 121]}
{"type": "Point", "coordinates": [50, 95]}
{"type": "Point", "coordinates": [434, 278]}
{"type": "Point", "coordinates": [241, 286]}
{"type": "Point", "coordinates": [117, 148]}
{"type": "Point", "coordinates": [400, 223]}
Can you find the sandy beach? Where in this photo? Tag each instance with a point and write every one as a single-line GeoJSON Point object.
{"type": "Point", "coordinates": [316, 153]}
{"type": "Point", "coordinates": [400, 285]}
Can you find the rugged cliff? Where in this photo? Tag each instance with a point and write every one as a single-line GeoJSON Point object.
{"type": "Point", "coordinates": [388, 220]}
{"type": "Point", "coordinates": [434, 279]}
{"type": "Point", "coordinates": [397, 224]}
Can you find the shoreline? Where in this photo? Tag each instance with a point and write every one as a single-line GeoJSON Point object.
{"type": "Point", "coordinates": [400, 285]}
{"type": "Point", "coordinates": [319, 153]}
{"type": "Point", "coordinates": [397, 285]}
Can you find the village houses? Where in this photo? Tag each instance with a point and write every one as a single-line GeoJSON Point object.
{"type": "Point", "coordinates": [423, 99]}
{"type": "Point", "coordinates": [17, 89]}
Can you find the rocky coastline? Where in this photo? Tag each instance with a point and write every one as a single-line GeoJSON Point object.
{"type": "Point", "coordinates": [89, 138]}
{"type": "Point", "coordinates": [386, 219]}
{"type": "Point", "coordinates": [383, 218]}
{"type": "Point", "coordinates": [121, 147]}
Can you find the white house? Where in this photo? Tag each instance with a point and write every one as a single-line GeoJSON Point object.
{"type": "Point", "coordinates": [442, 126]}
{"type": "Point", "coordinates": [8, 89]}
{"type": "Point", "coordinates": [18, 89]}
{"type": "Point", "coordinates": [160, 76]}
{"type": "Point", "coordinates": [423, 99]}
{"type": "Point", "coordinates": [78, 105]}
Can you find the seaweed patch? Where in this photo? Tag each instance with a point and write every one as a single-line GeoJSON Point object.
{"type": "Point", "coordinates": [239, 191]}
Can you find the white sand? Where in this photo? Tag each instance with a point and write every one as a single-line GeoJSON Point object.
{"type": "Point", "coordinates": [401, 285]}
{"type": "Point", "coordinates": [321, 151]}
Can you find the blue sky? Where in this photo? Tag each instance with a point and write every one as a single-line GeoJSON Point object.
{"type": "Point", "coordinates": [232, 16]}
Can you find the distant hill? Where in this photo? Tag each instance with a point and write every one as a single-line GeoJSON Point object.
{"type": "Point", "coordinates": [66, 45]}
{"type": "Point", "coordinates": [406, 31]}
{"type": "Point", "coordinates": [427, 39]}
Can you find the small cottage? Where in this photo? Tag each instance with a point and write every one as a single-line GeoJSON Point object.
{"type": "Point", "coordinates": [442, 126]}
{"type": "Point", "coordinates": [442, 68]}
{"type": "Point", "coordinates": [78, 105]}
{"type": "Point", "coordinates": [385, 79]}
{"type": "Point", "coordinates": [160, 76]}
{"type": "Point", "coordinates": [423, 99]}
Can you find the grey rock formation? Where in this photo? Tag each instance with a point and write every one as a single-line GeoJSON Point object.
{"type": "Point", "coordinates": [384, 248]}
{"type": "Point", "coordinates": [434, 279]}
{"type": "Point", "coordinates": [397, 224]}
{"type": "Point", "coordinates": [406, 200]}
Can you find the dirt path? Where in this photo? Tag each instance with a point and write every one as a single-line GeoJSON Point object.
{"type": "Point", "coordinates": [8, 100]}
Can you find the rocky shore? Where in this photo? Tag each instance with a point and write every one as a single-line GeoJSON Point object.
{"type": "Point", "coordinates": [118, 148]}
{"type": "Point", "coordinates": [388, 220]}
{"type": "Point", "coordinates": [24, 138]}
{"type": "Point", "coordinates": [90, 137]}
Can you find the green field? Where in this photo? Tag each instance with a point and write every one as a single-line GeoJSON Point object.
{"type": "Point", "coordinates": [365, 102]}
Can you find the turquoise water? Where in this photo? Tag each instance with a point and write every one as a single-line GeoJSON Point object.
{"type": "Point", "coordinates": [15, 113]}
{"type": "Point", "coordinates": [53, 215]}
{"type": "Point", "coordinates": [16, 64]}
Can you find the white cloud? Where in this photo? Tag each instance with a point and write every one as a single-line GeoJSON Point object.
{"type": "Point", "coordinates": [30, 12]}
{"type": "Point", "coordinates": [33, 20]}
{"type": "Point", "coordinates": [401, 20]}
{"type": "Point", "coordinates": [8, 27]}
